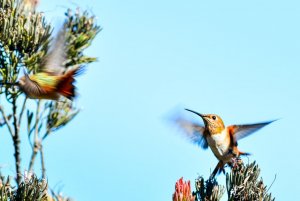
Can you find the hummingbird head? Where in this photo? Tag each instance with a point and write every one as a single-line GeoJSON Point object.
{"type": "Point", "coordinates": [22, 81]}
{"type": "Point", "coordinates": [213, 123]}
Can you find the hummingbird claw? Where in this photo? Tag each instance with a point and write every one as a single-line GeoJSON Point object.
{"type": "Point", "coordinates": [235, 163]}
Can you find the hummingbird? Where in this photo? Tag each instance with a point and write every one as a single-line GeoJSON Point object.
{"type": "Point", "coordinates": [53, 80]}
{"type": "Point", "coordinates": [222, 140]}
{"type": "Point", "coordinates": [29, 5]}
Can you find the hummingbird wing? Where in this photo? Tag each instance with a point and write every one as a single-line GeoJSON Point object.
{"type": "Point", "coordinates": [53, 61]}
{"type": "Point", "coordinates": [240, 131]}
{"type": "Point", "coordinates": [193, 131]}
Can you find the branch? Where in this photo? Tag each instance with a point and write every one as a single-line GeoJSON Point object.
{"type": "Point", "coordinates": [36, 143]}
{"type": "Point", "coordinates": [16, 140]}
{"type": "Point", "coordinates": [43, 163]}
{"type": "Point", "coordinates": [33, 156]}
{"type": "Point", "coordinates": [22, 111]}
{"type": "Point", "coordinates": [6, 121]}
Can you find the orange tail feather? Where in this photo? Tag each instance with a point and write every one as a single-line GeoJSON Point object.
{"type": "Point", "coordinates": [66, 86]}
{"type": "Point", "coordinates": [244, 153]}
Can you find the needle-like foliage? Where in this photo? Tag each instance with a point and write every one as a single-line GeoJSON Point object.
{"type": "Point", "coordinates": [242, 184]}
{"type": "Point", "coordinates": [25, 41]}
{"type": "Point", "coordinates": [208, 190]}
{"type": "Point", "coordinates": [30, 188]}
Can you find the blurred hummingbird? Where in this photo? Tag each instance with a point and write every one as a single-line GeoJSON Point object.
{"type": "Point", "coordinates": [221, 140]}
{"type": "Point", "coordinates": [53, 80]}
{"type": "Point", "coordinates": [29, 5]}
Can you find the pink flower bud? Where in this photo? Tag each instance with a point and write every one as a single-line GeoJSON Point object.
{"type": "Point", "coordinates": [183, 191]}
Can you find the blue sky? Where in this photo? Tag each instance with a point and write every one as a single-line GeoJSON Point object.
{"type": "Point", "coordinates": [238, 59]}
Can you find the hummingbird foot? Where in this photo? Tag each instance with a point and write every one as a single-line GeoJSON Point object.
{"type": "Point", "coordinates": [235, 163]}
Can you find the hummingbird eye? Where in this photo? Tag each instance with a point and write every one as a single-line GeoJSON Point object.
{"type": "Point", "coordinates": [214, 117]}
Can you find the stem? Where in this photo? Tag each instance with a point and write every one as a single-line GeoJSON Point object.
{"type": "Point", "coordinates": [33, 156]}
{"type": "Point", "coordinates": [16, 140]}
{"type": "Point", "coordinates": [22, 111]}
{"type": "Point", "coordinates": [36, 143]}
{"type": "Point", "coordinates": [6, 121]}
{"type": "Point", "coordinates": [43, 163]}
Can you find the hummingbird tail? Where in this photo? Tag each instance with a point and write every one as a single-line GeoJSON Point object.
{"type": "Point", "coordinates": [244, 153]}
{"type": "Point", "coordinates": [218, 169]}
{"type": "Point", "coordinates": [66, 86]}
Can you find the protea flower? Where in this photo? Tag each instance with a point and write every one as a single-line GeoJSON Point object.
{"type": "Point", "coordinates": [183, 191]}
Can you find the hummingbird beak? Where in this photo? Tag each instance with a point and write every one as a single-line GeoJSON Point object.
{"type": "Point", "coordinates": [201, 115]}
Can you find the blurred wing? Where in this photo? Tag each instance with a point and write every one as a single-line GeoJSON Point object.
{"type": "Point", "coordinates": [193, 131]}
{"type": "Point", "coordinates": [53, 61]}
{"type": "Point", "coordinates": [241, 131]}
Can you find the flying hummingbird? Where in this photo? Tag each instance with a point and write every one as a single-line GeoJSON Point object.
{"type": "Point", "coordinates": [53, 80]}
{"type": "Point", "coordinates": [29, 5]}
{"type": "Point", "coordinates": [222, 140]}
